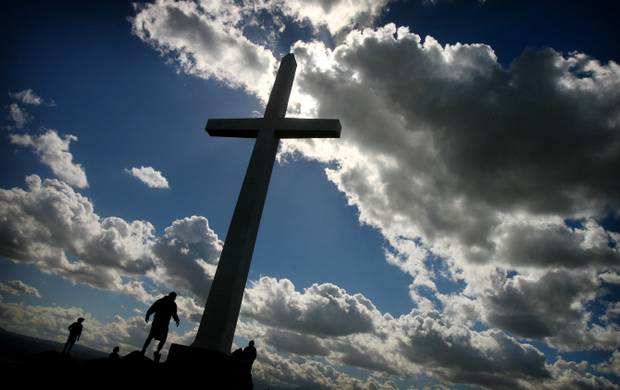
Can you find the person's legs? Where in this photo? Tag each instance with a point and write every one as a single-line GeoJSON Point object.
{"type": "Point", "coordinates": [64, 350]}
{"type": "Point", "coordinates": [146, 343]}
{"type": "Point", "coordinates": [161, 343]}
{"type": "Point", "coordinates": [70, 343]}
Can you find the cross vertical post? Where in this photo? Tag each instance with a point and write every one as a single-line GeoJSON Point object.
{"type": "Point", "coordinates": [217, 326]}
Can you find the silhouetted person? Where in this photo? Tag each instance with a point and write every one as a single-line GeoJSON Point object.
{"type": "Point", "coordinates": [249, 353]}
{"type": "Point", "coordinates": [114, 355]}
{"type": "Point", "coordinates": [164, 308]}
{"type": "Point", "coordinates": [75, 331]}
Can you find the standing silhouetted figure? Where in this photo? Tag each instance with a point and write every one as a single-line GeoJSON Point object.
{"type": "Point", "coordinates": [249, 353]}
{"type": "Point", "coordinates": [75, 331]}
{"type": "Point", "coordinates": [164, 308]}
{"type": "Point", "coordinates": [114, 355]}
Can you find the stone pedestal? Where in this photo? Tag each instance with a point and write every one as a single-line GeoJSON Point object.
{"type": "Point", "coordinates": [216, 369]}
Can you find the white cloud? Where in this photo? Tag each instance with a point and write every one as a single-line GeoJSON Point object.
{"type": "Point", "coordinates": [612, 365]}
{"type": "Point", "coordinates": [206, 42]}
{"type": "Point", "coordinates": [405, 347]}
{"type": "Point", "coordinates": [17, 287]}
{"type": "Point", "coordinates": [54, 152]}
{"type": "Point", "coordinates": [149, 176]}
{"type": "Point", "coordinates": [55, 228]}
{"type": "Point", "coordinates": [18, 116]}
{"type": "Point", "coordinates": [336, 15]}
{"type": "Point", "coordinates": [550, 308]}
{"type": "Point", "coordinates": [322, 309]}
{"type": "Point", "coordinates": [28, 96]}
{"type": "Point", "coordinates": [188, 253]}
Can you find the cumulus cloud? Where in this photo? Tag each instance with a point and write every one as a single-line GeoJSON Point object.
{"type": "Point", "coordinates": [55, 228]}
{"type": "Point", "coordinates": [336, 15]}
{"type": "Point", "coordinates": [448, 153]}
{"type": "Point", "coordinates": [310, 374]}
{"type": "Point", "coordinates": [468, 172]}
{"type": "Point", "coordinates": [206, 42]}
{"type": "Point", "coordinates": [54, 152]}
{"type": "Point", "coordinates": [550, 308]}
{"type": "Point", "coordinates": [17, 287]}
{"type": "Point", "coordinates": [149, 176]}
{"type": "Point", "coordinates": [612, 365]}
{"type": "Point", "coordinates": [17, 116]}
{"type": "Point", "coordinates": [28, 96]}
{"type": "Point", "coordinates": [420, 342]}
{"type": "Point", "coordinates": [188, 253]}
{"type": "Point", "coordinates": [321, 309]}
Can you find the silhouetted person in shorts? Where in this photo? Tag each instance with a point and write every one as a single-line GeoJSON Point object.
{"type": "Point", "coordinates": [114, 355]}
{"type": "Point", "coordinates": [164, 308]}
{"type": "Point", "coordinates": [75, 331]}
{"type": "Point", "coordinates": [249, 353]}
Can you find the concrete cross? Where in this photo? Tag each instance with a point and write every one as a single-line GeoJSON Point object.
{"type": "Point", "coordinates": [217, 326]}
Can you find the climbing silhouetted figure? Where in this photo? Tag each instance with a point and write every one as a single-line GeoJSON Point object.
{"type": "Point", "coordinates": [164, 308]}
{"type": "Point", "coordinates": [249, 353]}
{"type": "Point", "coordinates": [114, 355]}
{"type": "Point", "coordinates": [75, 331]}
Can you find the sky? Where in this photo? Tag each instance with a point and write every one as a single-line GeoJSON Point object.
{"type": "Point", "coordinates": [462, 233]}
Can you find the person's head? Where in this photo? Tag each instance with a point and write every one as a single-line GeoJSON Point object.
{"type": "Point", "coordinates": [116, 349]}
{"type": "Point", "coordinates": [251, 343]}
{"type": "Point", "coordinates": [80, 320]}
{"type": "Point", "coordinates": [172, 295]}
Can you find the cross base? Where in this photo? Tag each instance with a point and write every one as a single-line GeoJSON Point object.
{"type": "Point", "coordinates": [211, 368]}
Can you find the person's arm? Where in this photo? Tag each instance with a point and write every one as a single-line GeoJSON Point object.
{"type": "Point", "coordinates": [150, 311]}
{"type": "Point", "coordinates": [175, 315]}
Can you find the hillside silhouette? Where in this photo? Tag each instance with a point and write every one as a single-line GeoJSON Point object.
{"type": "Point", "coordinates": [28, 359]}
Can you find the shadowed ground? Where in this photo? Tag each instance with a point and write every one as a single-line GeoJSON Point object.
{"type": "Point", "coordinates": [31, 360]}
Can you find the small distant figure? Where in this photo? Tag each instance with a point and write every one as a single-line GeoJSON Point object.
{"type": "Point", "coordinates": [114, 355]}
{"type": "Point", "coordinates": [75, 331]}
{"type": "Point", "coordinates": [164, 308]}
{"type": "Point", "coordinates": [249, 353]}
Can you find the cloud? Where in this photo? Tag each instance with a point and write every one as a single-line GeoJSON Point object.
{"type": "Point", "coordinates": [149, 176]}
{"type": "Point", "coordinates": [18, 116]}
{"type": "Point", "coordinates": [460, 355]}
{"type": "Point", "coordinates": [417, 343]}
{"type": "Point", "coordinates": [467, 172]}
{"type": "Point", "coordinates": [612, 365]}
{"type": "Point", "coordinates": [336, 15]}
{"type": "Point", "coordinates": [205, 42]}
{"type": "Point", "coordinates": [188, 253]}
{"type": "Point", "coordinates": [550, 308]}
{"type": "Point", "coordinates": [573, 375]}
{"type": "Point", "coordinates": [17, 287]}
{"type": "Point", "coordinates": [56, 229]}
{"type": "Point", "coordinates": [322, 309]}
{"type": "Point", "coordinates": [309, 374]}
{"type": "Point", "coordinates": [54, 152]}
{"type": "Point", "coordinates": [28, 96]}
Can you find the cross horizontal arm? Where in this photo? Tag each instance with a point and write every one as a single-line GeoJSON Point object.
{"type": "Point", "coordinates": [307, 128]}
{"type": "Point", "coordinates": [244, 128]}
